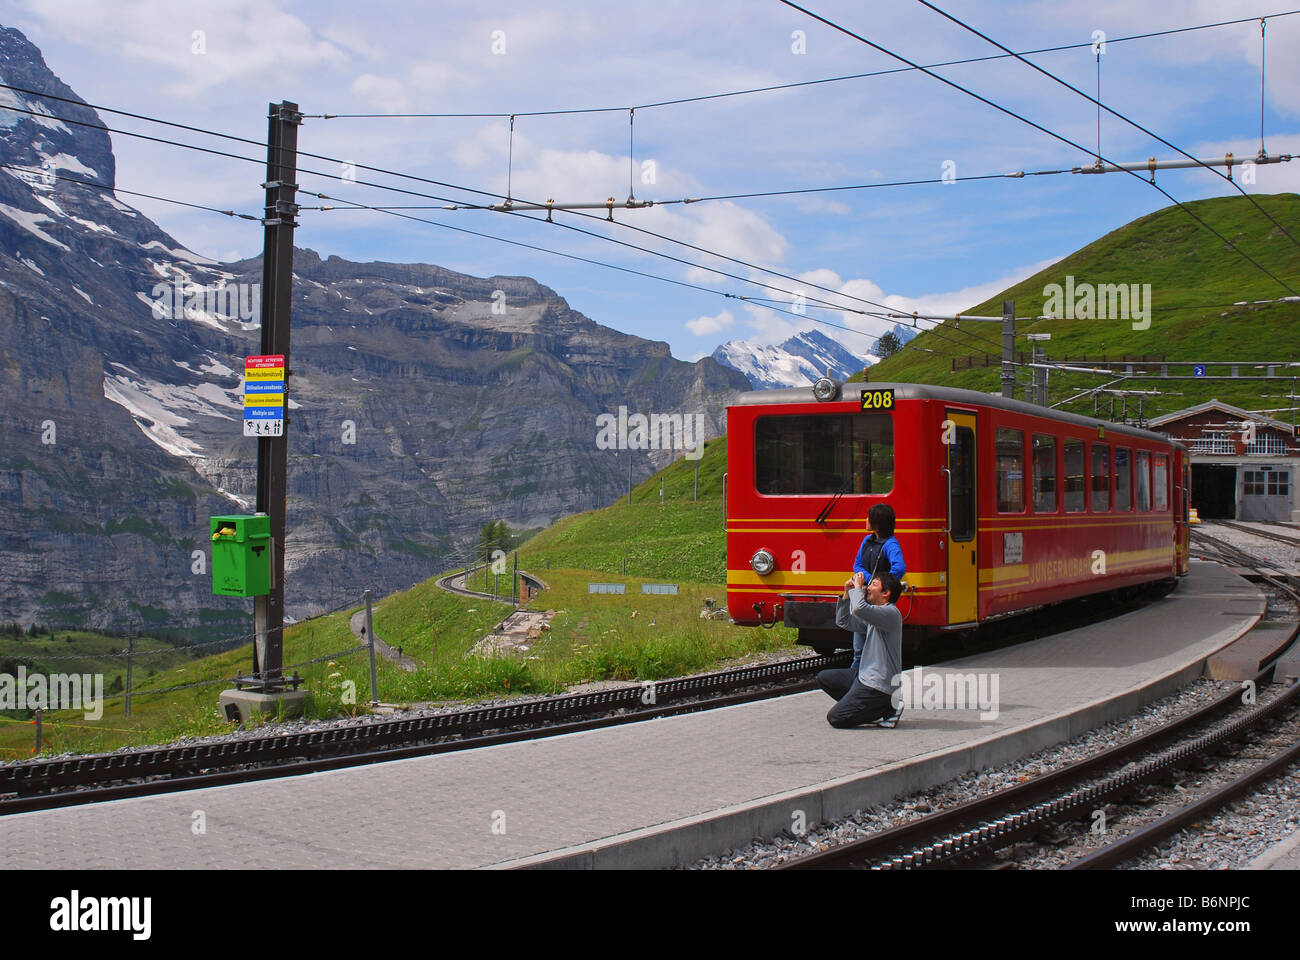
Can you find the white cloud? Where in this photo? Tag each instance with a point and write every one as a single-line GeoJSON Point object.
{"type": "Point", "coordinates": [384, 94]}
{"type": "Point", "coordinates": [703, 326]}
{"type": "Point", "coordinates": [199, 49]}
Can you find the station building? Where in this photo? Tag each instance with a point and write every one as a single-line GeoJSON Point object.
{"type": "Point", "coordinates": [1245, 466]}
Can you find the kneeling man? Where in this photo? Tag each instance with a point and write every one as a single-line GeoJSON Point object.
{"type": "Point", "coordinates": [865, 695]}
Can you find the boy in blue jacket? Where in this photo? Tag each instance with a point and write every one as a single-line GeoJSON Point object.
{"type": "Point", "coordinates": [880, 552]}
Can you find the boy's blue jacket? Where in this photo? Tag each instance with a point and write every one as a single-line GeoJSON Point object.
{"type": "Point", "coordinates": [869, 556]}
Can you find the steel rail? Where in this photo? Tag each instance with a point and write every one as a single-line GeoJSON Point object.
{"type": "Point", "coordinates": [1267, 535]}
{"type": "Point", "coordinates": [880, 845]}
{"type": "Point", "coordinates": [1148, 836]}
{"type": "Point", "coordinates": [33, 781]}
{"type": "Point", "coordinates": [1022, 817]}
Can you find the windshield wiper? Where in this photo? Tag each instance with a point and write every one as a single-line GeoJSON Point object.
{"type": "Point", "coordinates": [830, 506]}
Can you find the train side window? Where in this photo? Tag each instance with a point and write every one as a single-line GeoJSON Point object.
{"type": "Point", "coordinates": [1143, 478]}
{"type": "Point", "coordinates": [1123, 478]}
{"type": "Point", "coordinates": [1074, 479]}
{"type": "Point", "coordinates": [1011, 470]}
{"type": "Point", "coordinates": [1100, 477]}
{"type": "Point", "coordinates": [1044, 473]}
{"type": "Point", "coordinates": [1160, 482]}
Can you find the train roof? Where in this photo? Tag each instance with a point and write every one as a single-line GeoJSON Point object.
{"type": "Point", "coordinates": [924, 391]}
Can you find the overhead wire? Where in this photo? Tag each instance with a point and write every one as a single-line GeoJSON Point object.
{"type": "Point", "coordinates": [387, 187]}
{"type": "Point", "coordinates": [1115, 113]}
{"type": "Point", "coordinates": [1037, 126]}
{"type": "Point", "coordinates": [413, 177]}
{"type": "Point", "coordinates": [496, 195]}
{"type": "Point", "coordinates": [45, 174]}
{"type": "Point", "coordinates": [785, 86]}
{"type": "Point", "coordinates": [873, 338]}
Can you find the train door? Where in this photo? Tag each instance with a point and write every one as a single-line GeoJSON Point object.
{"type": "Point", "coordinates": [1182, 517]}
{"type": "Point", "coordinates": [960, 530]}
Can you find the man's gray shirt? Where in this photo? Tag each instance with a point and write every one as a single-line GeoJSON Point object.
{"type": "Point", "coordinates": [882, 654]}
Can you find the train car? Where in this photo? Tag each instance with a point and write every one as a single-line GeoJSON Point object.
{"type": "Point", "coordinates": [1001, 506]}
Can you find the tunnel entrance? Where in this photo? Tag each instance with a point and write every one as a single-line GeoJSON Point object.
{"type": "Point", "coordinates": [1214, 491]}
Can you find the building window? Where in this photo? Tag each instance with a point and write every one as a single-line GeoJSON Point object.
{"type": "Point", "coordinates": [1279, 483]}
{"type": "Point", "coordinates": [1011, 470]}
{"type": "Point", "coordinates": [1267, 445]}
{"type": "Point", "coordinates": [1254, 483]}
{"type": "Point", "coordinates": [1100, 476]}
{"type": "Point", "coordinates": [1044, 474]}
{"type": "Point", "coordinates": [1215, 441]}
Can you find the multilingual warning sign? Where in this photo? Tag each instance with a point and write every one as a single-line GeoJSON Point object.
{"type": "Point", "coordinates": [264, 396]}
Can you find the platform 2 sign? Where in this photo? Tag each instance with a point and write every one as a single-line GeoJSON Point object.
{"type": "Point", "coordinates": [264, 396]}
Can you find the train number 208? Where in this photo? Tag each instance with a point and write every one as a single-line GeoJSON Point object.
{"type": "Point", "coordinates": [877, 399]}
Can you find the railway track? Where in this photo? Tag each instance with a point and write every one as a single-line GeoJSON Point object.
{"type": "Point", "coordinates": [977, 832]}
{"type": "Point", "coordinates": [37, 785]}
{"type": "Point", "coordinates": [1266, 534]}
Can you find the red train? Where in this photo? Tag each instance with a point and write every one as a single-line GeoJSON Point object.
{"type": "Point", "coordinates": [1001, 506]}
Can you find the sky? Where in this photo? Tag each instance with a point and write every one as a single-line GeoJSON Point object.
{"type": "Point", "coordinates": [933, 247]}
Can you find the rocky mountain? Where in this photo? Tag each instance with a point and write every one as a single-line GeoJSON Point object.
{"type": "Point", "coordinates": [798, 361]}
{"type": "Point", "coordinates": [423, 402]}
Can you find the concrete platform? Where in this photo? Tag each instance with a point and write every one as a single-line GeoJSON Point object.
{"type": "Point", "coordinates": [1283, 855]}
{"type": "Point", "coordinates": [659, 793]}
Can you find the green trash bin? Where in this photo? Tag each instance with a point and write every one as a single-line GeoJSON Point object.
{"type": "Point", "coordinates": [241, 555]}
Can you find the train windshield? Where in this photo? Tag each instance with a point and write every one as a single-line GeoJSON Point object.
{"type": "Point", "coordinates": [824, 454]}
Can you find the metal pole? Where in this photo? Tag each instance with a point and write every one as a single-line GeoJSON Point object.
{"type": "Point", "coordinates": [629, 478]}
{"type": "Point", "coordinates": [370, 641]}
{"type": "Point", "coordinates": [514, 582]}
{"type": "Point", "coordinates": [277, 301]}
{"type": "Point", "coordinates": [130, 642]}
{"type": "Point", "coordinates": [1008, 347]}
{"type": "Point", "coordinates": [37, 721]}
{"type": "Point", "coordinates": [697, 479]}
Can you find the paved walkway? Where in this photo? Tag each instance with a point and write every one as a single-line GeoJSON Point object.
{"type": "Point", "coordinates": [1283, 855]}
{"type": "Point", "coordinates": [648, 793]}
{"type": "Point", "coordinates": [358, 625]}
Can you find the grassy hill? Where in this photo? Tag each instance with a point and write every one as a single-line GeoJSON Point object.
{"type": "Point", "coordinates": [678, 538]}
{"type": "Point", "coordinates": [1193, 277]}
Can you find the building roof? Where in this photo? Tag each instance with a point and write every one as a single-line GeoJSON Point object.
{"type": "Point", "coordinates": [1219, 405]}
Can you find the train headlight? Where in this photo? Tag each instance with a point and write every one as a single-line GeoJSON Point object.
{"type": "Point", "coordinates": [763, 563]}
{"type": "Point", "coordinates": [826, 389]}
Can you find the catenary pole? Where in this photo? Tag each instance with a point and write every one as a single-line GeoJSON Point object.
{"type": "Point", "coordinates": [277, 301]}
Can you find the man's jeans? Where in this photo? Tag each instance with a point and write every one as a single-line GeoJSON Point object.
{"type": "Point", "coordinates": [857, 704]}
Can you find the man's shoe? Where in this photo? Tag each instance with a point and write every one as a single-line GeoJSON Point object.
{"type": "Point", "coordinates": [889, 723]}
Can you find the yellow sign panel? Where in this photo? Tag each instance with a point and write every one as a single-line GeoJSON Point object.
{"type": "Point", "coordinates": [878, 399]}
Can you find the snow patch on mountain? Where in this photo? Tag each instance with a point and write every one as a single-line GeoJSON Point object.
{"type": "Point", "coordinates": [31, 222]}
{"type": "Point", "coordinates": [797, 362]}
